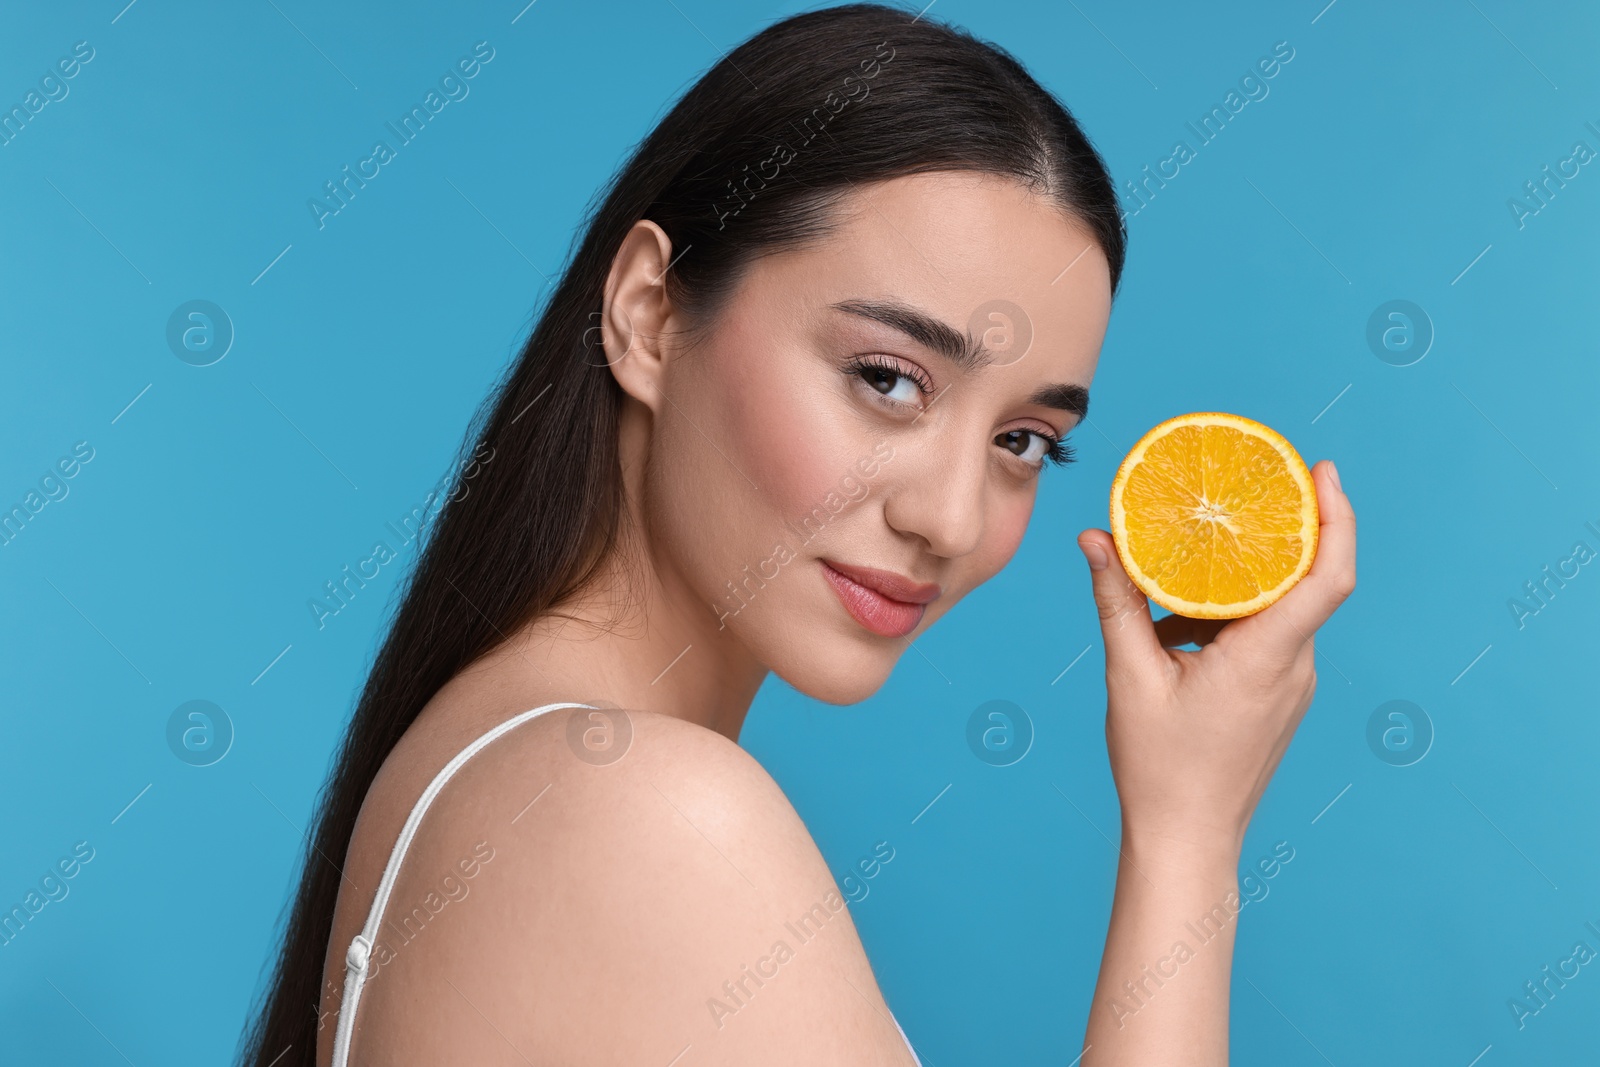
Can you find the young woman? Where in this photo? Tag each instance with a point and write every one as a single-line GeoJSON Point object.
{"type": "Point", "coordinates": [765, 424]}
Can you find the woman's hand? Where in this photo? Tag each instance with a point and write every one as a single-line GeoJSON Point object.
{"type": "Point", "coordinates": [1194, 737]}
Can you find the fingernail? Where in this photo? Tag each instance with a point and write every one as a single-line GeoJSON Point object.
{"type": "Point", "coordinates": [1333, 472]}
{"type": "Point", "coordinates": [1095, 555]}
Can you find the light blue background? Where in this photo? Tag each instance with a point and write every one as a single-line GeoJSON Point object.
{"type": "Point", "coordinates": [179, 566]}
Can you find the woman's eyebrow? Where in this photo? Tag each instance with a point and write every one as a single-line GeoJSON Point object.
{"type": "Point", "coordinates": [1073, 399]}
{"type": "Point", "coordinates": [959, 348]}
{"type": "Point", "coordinates": [923, 328]}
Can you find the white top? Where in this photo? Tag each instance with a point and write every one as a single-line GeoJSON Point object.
{"type": "Point", "coordinates": [357, 957]}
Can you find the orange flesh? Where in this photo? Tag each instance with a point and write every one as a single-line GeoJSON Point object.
{"type": "Point", "coordinates": [1214, 520]}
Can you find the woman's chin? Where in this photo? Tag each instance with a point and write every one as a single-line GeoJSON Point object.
{"type": "Point", "coordinates": [836, 675]}
{"type": "Point", "coordinates": [839, 690]}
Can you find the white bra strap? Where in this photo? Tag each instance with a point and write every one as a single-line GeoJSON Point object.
{"type": "Point", "coordinates": [360, 951]}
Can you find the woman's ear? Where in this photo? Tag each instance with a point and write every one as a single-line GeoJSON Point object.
{"type": "Point", "coordinates": [636, 311]}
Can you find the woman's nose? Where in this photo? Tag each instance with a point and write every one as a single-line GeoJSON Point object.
{"type": "Point", "coordinates": [937, 493]}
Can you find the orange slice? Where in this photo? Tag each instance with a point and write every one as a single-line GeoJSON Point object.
{"type": "Point", "coordinates": [1214, 515]}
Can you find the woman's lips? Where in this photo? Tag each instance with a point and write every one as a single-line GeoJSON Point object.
{"type": "Point", "coordinates": [883, 615]}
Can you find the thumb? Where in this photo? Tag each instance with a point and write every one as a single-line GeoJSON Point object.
{"type": "Point", "coordinates": [1125, 624]}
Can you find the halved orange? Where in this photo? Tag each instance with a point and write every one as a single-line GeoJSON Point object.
{"type": "Point", "coordinates": [1214, 515]}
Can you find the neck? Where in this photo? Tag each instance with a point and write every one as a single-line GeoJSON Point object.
{"type": "Point", "coordinates": [638, 636]}
{"type": "Point", "coordinates": [654, 652]}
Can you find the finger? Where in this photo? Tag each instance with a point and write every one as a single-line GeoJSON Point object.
{"type": "Point", "coordinates": [1332, 578]}
{"type": "Point", "coordinates": [1125, 625]}
{"type": "Point", "coordinates": [1175, 630]}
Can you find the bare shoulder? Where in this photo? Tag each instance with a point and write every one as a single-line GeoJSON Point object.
{"type": "Point", "coordinates": [603, 886]}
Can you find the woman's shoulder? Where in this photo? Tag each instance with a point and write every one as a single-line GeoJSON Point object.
{"type": "Point", "coordinates": [591, 765]}
{"type": "Point", "coordinates": [603, 884]}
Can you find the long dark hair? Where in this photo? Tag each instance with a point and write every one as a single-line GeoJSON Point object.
{"type": "Point", "coordinates": [750, 160]}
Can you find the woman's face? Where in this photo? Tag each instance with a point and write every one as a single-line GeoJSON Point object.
{"type": "Point", "coordinates": [833, 420]}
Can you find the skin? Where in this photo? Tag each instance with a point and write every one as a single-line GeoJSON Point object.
{"type": "Point", "coordinates": [621, 897]}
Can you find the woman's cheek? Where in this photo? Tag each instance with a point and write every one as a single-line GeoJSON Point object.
{"type": "Point", "coordinates": [787, 442]}
{"type": "Point", "coordinates": [785, 435]}
{"type": "Point", "coordinates": [1004, 528]}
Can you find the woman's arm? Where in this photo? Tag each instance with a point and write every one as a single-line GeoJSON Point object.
{"type": "Point", "coordinates": [1162, 996]}
{"type": "Point", "coordinates": [1194, 737]}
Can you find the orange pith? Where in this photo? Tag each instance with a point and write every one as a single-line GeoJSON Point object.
{"type": "Point", "coordinates": [1214, 515]}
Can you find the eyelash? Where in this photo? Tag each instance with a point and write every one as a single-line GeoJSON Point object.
{"type": "Point", "coordinates": [1057, 450]}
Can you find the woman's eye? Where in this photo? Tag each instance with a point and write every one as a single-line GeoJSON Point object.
{"type": "Point", "coordinates": [898, 387]}
{"type": "Point", "coordinates": [1026, 445]}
